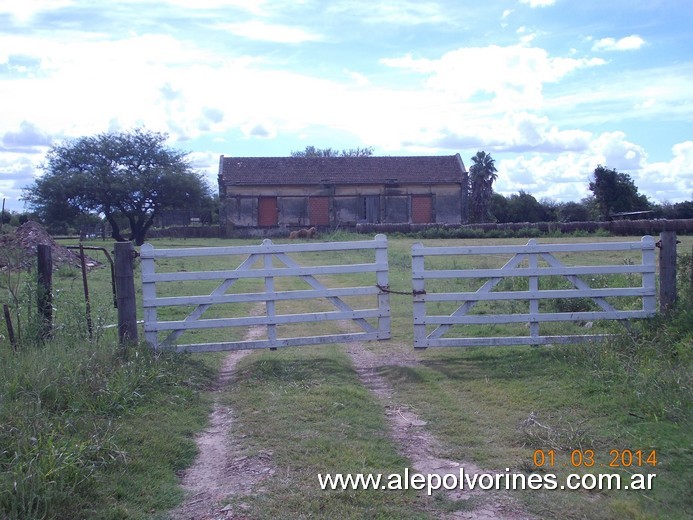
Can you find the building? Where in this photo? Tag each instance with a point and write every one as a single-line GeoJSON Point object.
{"type": "Point", "coordinates": [339, 192]}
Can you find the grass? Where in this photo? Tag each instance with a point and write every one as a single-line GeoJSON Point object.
{"type": "Point", "coordinates": [308, 407]}
{"type": "Point", "coordinates": [90, 431]}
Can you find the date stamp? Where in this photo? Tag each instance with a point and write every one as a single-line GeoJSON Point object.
{"type": "Point", "coordinates": [616, 458]}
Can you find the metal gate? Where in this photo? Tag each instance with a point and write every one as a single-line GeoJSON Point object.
{"type": "Point", "coordinates": [258, 280]}
{"type": "Point", "coordinates": [518, 284]}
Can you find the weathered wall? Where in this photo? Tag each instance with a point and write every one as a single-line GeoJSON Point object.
{"type": "Point", "coordinates": [448, 208]}
{"type": "Point", "coordinates": [348, 204]}
{"type": "Point", "coordinates": [293, 211]}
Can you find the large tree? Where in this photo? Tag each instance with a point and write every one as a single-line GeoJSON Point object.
{"type": "Point", "coordinates": [615, 192]}
{"type": "Point", "coordinates": [482, 174]}
{"type": "Point", "coordinates": [129, 176]}
{"type": "Point", "coordinates": [312, 151]}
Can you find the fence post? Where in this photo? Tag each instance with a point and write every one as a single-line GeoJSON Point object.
{"type": "Point", "coordinates": [382, 279]}
{"type": "Point", "coordinates": [418, 286]}
{"type": "Point", "coordinates": [45, 289]}
{"type": "Point", "coordinates": [10, 329]}
{"type": "Point", "coordinates": [667, 270]}
{"type": "Point", "coordinates": [125, 292]}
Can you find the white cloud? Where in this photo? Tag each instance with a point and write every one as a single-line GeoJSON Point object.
{"type": "Point", "coordinates": [24, 10]}
{"type": "Point", "coordinates": [513, 75]}
{"type": "Point", "coordinates": [613, 150]}
{"type": "Point", "coordinates": [393, 12]}
{"type": "Point", "coordinates": [538, 3]}
{"type": "Point", "coordinates": [358, 78]}
{"type": "Point", "coordinates": [672, 180]}
{"type": "Point", "coordinates": [257, 30]}
{"type": "Point", "coordinates": [565, 177]}
{"type": "Point", "coordinates": [628, 43]}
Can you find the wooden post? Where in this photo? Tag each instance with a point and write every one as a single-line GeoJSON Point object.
{"type": "Point", "coordinates": [125, 292]}
{"type": "Point", "coordinates": [10, 328]}
{"type": "Point", "coordinates": [45, 289]}
{"type": "Point", "coordinates": [667, 270]}
{"type": "Point", "coordinates": [85, 285]}
{"type": "Point", "coordinates": [690, 270]}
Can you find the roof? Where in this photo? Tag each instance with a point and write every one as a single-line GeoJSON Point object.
{"type": "Point", "coordinates": [448, 169]}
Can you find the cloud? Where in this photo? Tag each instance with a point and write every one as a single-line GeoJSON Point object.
{"type": "Point", "coordinates": [613, 150]}
{"type": "Point", "coordinates": [358, 78]}
{"type": "Point", "coordinates": [565, 177]}
{"type": "Point", "coordinates": [628, 43]}
{"type": "Point", "coordinates": [538, 3]}
{"type": "Point", "coordinates": [516, 132]}
{"type": "Point", "coordinates": [16, 171]}
{"type": "Point", "coordinates": [261, 130]}
{"type": "Point", "coordinates": [515, 78]}
{"type": "Point", "coordinates": [24, 10]}
{"type": "Point", "coordinates": [393, 12]}
{"type": "Point", "coordinates": [257, 30]}
{"type": "Point", "coordinates": [672, 180]}
{"type": "Point", "coordinates": [29, 138]}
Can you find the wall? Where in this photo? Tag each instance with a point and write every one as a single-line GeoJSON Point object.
{"type": "Point", "coordinates": [349, 205]}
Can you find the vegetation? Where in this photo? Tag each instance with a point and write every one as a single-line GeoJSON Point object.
{"type": "Point", "coordinates": [482, 175]}
{"type": "Point", "coordinates": [312, 151]}
{"type": "Point", "coordinates": [615, 192]}
{"type": "Point", "coordinates": [89, 430]}
{"type": "Point", "coordinates": [128, 176]}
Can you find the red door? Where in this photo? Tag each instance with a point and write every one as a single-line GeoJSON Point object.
{"type": "Point", "coordinates": [267, 214]}
{"type": "Point", "coordinates": [319, 211]}
{"type": "Point", "coordinates": [421, 209]}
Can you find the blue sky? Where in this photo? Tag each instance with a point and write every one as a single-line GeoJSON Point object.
{"type": "Point", "coordinates": [551, 88]}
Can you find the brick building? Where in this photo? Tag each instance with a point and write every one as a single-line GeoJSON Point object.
{"type": "Point", "coordinates": [339, 192]}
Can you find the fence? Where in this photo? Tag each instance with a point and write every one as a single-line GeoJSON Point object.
{"type": "Point", "coordinates": [258, 269]}
{"type": "Point", "coordinates": [124, 289]}
{"type": "Point", "coordinates": [530, 262]}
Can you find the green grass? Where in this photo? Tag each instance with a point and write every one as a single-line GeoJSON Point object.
{"type": "Point", "coordinates": [308, 407]}
{"type": "Point", "coordinates": [89, 429]}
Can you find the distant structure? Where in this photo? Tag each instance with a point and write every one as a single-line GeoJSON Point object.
{"type": "Point", "coordinates": [264, 195]}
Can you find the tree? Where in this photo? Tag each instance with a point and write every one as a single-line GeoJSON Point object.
{"type": "Point", "coordinates": [574, 212]}
{"type": "Point", "coordinates": [312, 151]}
{"type": "Point", "coordinates": [520, 207]}
{"type": "Point", "coordinates": [129, 176]}
{"type": "Point", "coordinates": [482, 174]}
{"type": "Point", "coordinates": [615, 192]}
{"type": "Point", "coordinates": [523, 207]}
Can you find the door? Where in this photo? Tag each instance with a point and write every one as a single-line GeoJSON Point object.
{"type": "Point", "coordinates": [267, 214]}
{"type": "Point", "coordinates": [421, 209]}
{"type": "Point", "coordinates": [369, 208]}
{"type": "Point", "coordinates": [319, 211]}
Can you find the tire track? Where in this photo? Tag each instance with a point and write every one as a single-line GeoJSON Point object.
{"type": "Point", "coordinates": [418, 445]}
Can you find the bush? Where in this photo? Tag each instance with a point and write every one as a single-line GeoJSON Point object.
{"type": "Point", "coordinates": [651, 364]}
{"type": "Point", "coordinates": [63, 399]}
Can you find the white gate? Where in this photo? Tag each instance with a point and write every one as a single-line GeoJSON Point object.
{"type": "Point", "coordinates": [521, 273]}
{"type": "Point", "coordinates": [258, 269]}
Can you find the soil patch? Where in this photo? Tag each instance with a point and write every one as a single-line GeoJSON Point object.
{"type": "Point", "coordinates": [416, 443]}
{"type": "Point", "coordinates": [24, 242]}
{"type": "Point", "coordinates": [222, 467]}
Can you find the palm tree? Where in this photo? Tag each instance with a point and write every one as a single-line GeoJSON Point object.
{"type": "Point", "coordinates": [481, 178]}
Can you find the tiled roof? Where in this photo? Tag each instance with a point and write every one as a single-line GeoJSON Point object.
{"type": "Point", "coordinates": [341, 170]}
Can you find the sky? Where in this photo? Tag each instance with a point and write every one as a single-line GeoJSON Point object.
{"type": "Point", "coordinates": [550, 88]}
